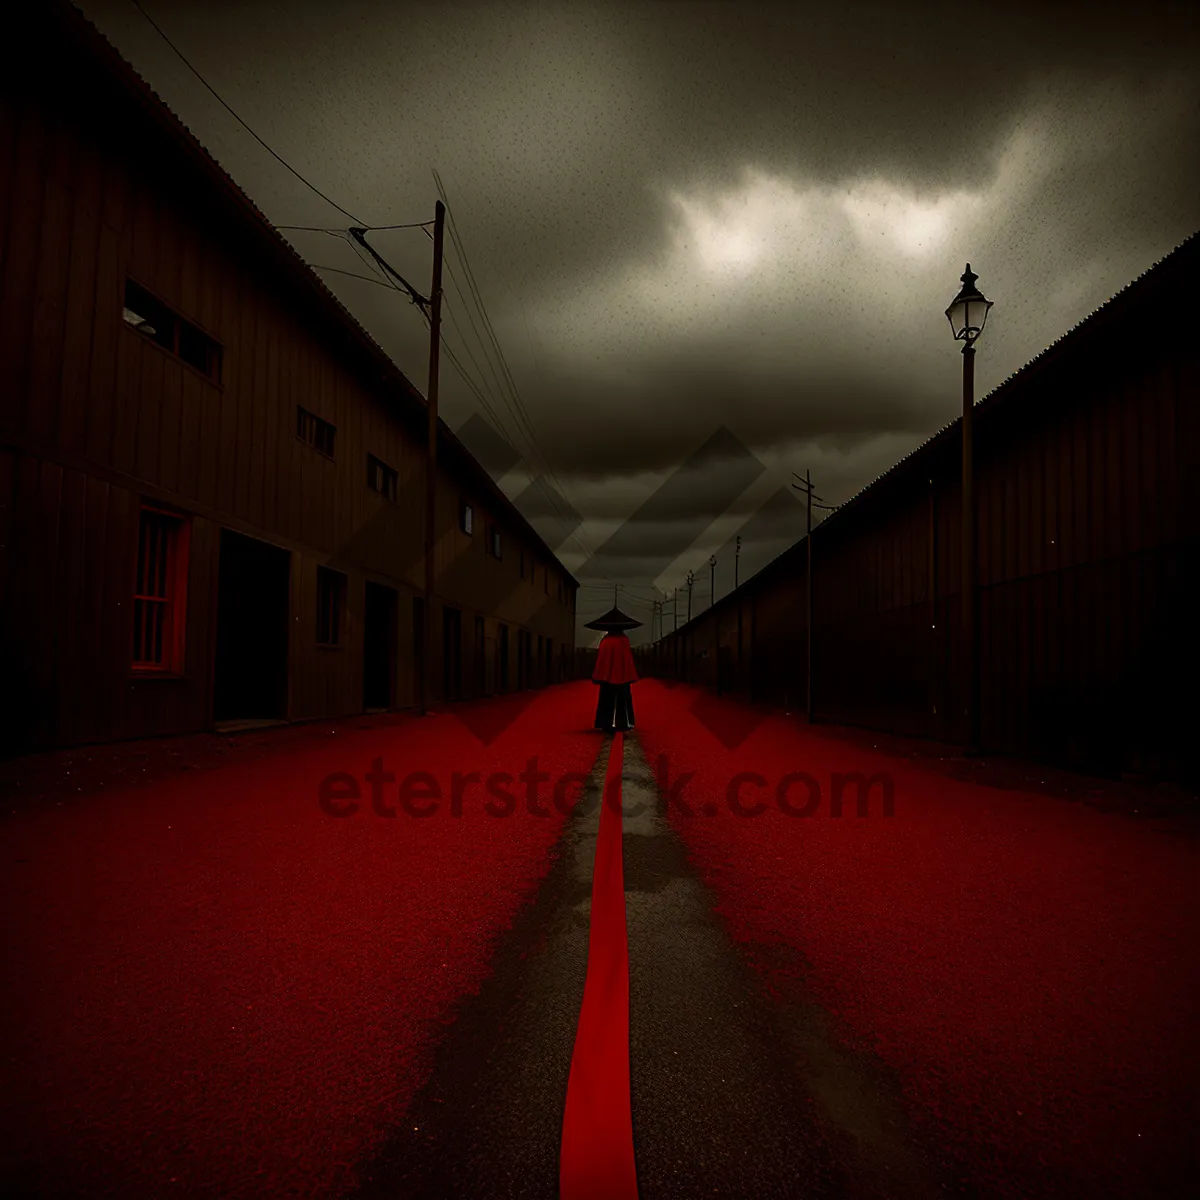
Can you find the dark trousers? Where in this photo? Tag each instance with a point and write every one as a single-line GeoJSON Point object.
{"type": "Point", "coordinates": [614, 708]}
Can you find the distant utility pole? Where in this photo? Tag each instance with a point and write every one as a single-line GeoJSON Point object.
{"type": "Point", "coordinates": [691, 579]}
{"type": "Point", "coordinates": [712, 580]}
{"type": "Point", "coordinates": [807, 488]}
{"type": "Point", "coordinates": [737, 553]}
{"type": "Point", "coordinates": [675, 611]}
{"type": "Point", "coordinates": [435, 338]}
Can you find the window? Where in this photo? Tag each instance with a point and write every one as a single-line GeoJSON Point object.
{"type": "Point", "coordinates": [160, 592]}
{"type": "Point", "coordinates": [381, 478]}
{"type": "Point", "coordinates": [466, 518]}
{"type": "Point", "coordinates": [331, 604]}
{"type": "Point", "coordinates": [317, 433]}
{"type": "Point", "coordinates": [494, 546]}
{"type": "Point", "coordinates": [153, 319]}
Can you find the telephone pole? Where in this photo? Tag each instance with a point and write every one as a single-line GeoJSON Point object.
{"type": "Point", "coordinates": [435, 338]}
{"type": "Point", "coordinates": [737, 553]}
{"type": "Point", "coordinates": [691, 579]}
{"type": "Point", "coordinates": [807, 488]}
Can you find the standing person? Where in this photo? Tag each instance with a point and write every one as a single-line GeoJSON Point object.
{"type": "Point", "coordinates": [614, 672]}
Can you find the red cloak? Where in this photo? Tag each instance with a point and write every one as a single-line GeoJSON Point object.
{"type": "Point", "coordinates": [614, 662]}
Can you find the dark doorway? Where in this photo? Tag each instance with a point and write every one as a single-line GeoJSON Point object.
{"type": "Point", "coordinates": [502, 658]}
{"type": "Point", "coordinates": [418, 649]}
{"type": "Point", "coordinates": [522, 659]}
{"type": "Point", "coordinates": [725, 669]}
{"type": "Point", "coordinates": [451, 654]}
{"type": "Point", "coordinates": [251, 669]}
{"type": "Point", "coordinates": [379, 646]}
{"type": "Point", "coordinates": [480, 685]}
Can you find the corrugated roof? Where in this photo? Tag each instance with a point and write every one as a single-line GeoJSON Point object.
{"type": "Point", "coordinates": [77, 26]}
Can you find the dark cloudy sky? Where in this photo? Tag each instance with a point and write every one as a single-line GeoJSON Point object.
{"type": "Point", "coordinates": [689, 217]}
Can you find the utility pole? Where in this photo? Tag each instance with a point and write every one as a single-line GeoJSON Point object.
{"type": "Point", "coordinates": [435, 338]}
{"type": "Point", "coordinates": [691, 580]}
{"type": "Point", "coordinates": [675, 610]}
{"type": "Point", "coordinates": [807, 488]}
{"type": "Point", "coordinates": [712, 600]}
{"type": "Point", "coordinates": [737, 553]}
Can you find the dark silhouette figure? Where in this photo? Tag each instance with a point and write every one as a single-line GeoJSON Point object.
{"type": "Point", "coordinates": [614, 672]}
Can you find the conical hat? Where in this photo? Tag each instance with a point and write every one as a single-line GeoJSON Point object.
{"type": "Point", "coordinates": [613, 621]}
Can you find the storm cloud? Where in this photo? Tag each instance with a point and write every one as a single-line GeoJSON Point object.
{"type": "Point", "coordinates": [691, 217]}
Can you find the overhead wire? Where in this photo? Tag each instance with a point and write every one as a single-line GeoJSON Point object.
{"type": "Point", "coordinates": [229, 109]}
{"type": "Point", "coordinates": [364, 228]}
{"type": "Point", "coordinates": [519, 404]}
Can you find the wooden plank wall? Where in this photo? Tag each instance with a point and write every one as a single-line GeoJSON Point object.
{"type": "Point", "coordinates": [1088, 488]}
{"type": "Point", "coordinates": [94, 417]}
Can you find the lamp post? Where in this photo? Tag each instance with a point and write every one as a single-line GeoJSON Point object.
{"type": "Point", "coordinates": [967, 315]}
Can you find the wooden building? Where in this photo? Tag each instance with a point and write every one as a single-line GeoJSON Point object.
{"type": "Point", "coordinates": [1087, 481]}
{"type": "Point", "coordinates": [211, 478]}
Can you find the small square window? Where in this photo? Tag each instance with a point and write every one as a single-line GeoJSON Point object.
{"type": "Point", "coordinates": [317, 433]}
{"type": "Point", "coordinates": [466, 518]}
{"type": "Point", "coordinates": [381, 478]}
{"type": "Point", "coordinates": [494, 545]}
{"type": "Point", "coordinates": [149, 316]}
{"type": "Point", "coordinates": [155, 320]}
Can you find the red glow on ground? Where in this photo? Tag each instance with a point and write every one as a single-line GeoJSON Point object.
{"type": "Point", "coordinates": [217, 989]}
{"type": "Point", "coordinates": [1024, 965]}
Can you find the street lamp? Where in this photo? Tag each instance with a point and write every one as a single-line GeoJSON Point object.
{"type": "Point", "coordinates": [967, 315]}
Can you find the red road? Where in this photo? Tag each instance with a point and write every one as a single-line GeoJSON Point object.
{"type": "Point", "coordinates": [1025, 965]}
{"type": "Point", "coordinates": [216, 989]}
{"type": "Point", "coordinates": [597, 1161]}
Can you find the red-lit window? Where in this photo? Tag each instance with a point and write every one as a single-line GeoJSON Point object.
{"type": "Point", "coordinates": [160, 592]}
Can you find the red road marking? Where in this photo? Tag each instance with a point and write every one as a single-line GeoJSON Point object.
{"type": "Point", "coordinates": [596, 1160]}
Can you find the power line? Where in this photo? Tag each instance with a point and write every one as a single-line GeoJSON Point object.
{"type": "Point", "coordinates": [466, 346]}
{"type": "Point", "coordinates": [473, 286]}
{"type": "Point", "coordinates": [359, 234]}
{"type": "Point", "coordinates": [354, 275]}
{"type": "Point", "coordinates": [278, 158]}
{"type": "Point", "coordinates": [359, 230]}
{"type": "Point", "coordinates": [366, 228]}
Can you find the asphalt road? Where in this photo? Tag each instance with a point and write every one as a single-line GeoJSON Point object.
{"type": "Point", "coordinates": [731, 1094]}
